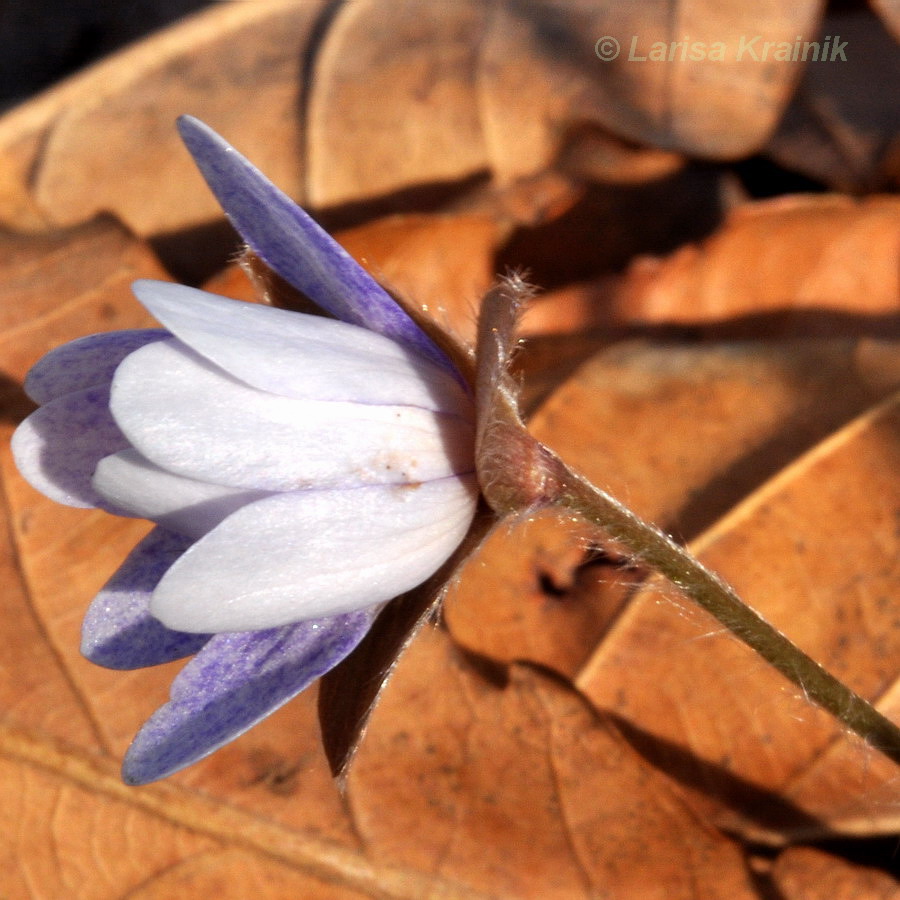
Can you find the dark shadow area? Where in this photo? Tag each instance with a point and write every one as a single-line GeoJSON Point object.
{"type": "Point", "coordinates": [765, 808]}
{"type": "Point", "coordinates": [761, 177]}
{"type": "Point", "coordinates": [876, 852]}
{"type": "Point", "coordinates": [42, 41]}
{"type": "Point", "coordinates": [434, 197]}
{"type": "Point", "coordinates": [193, 255]}
{"type": "Point", "coordinates": [611, 224]}
{"type": "Point", "coordinates": [15, 404]}
{"type": "Point", "coordinates": [768, 326]}
{"type": "Point", "coordinates": [793, 323]}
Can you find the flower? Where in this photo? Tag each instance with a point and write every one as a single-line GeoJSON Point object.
{"type": "Point", "coordinates": [301, 471]}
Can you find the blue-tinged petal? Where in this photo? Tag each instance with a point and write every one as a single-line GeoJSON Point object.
{"type": "Point", "coordinates": [235, 681]}
{"type": "Point", "coordinates": [59, 445]}
{"type": "Point", "coordinates": [292, 244]}
{"type": "Point", "coordinates": [118, 631]}
{"type": "Point", "coordinates": [87, 362]}
{"type": "Point", "coordinates": [133, 485]}
{"type": "Point", "coordinates": [186, 415]}
{"type": "Point", "coordinates": [325, 552]}
{"type": "Point", "coordinates": [301, 356]}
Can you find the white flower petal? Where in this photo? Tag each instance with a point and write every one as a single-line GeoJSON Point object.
{"type": "Point", "coordinates": [301, 356]}
{"type": "Point", "coordinates": [186, 415]}
{"type": "Point", "coordinates": [136, 486]}
{"type": "Point", "coordinates": [306, 554]}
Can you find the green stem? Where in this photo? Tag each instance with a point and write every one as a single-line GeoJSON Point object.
{"type": "Point", "coordinates": [697, 582]}
{"type": "Point", "coordinates": [516, 473]}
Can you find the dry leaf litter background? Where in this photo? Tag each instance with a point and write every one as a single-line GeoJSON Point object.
{"type": "Point", "coordinates": [716, 345]}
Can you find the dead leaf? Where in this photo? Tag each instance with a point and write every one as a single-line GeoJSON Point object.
{"type": "Point", "coordinates": [802, 873]}
{"type": "Point", "coordinates": [344, 104]}
{"type": "Point", "coordinates": [594, 155]}
{"type": "Point", "coordinates": [393, 102]}
{"type": "Point", "coordinates": [787, 550]}
{"type": "Point", "coordinates": [820, 254]}
{"type": "Point", "coordinates": [236, 875]}
{"type": "Point", "coordinates": [61, 840]}
{"type": "Point", "coordinates": [237, 66]}
{"type": "Point", "coordinates": [534, 592]}
{"type": "Point", "coordinates": [546, 68]}
{"type": "Point", "coordinates": [272, 845]}
{"type": "Point", "coordinates": [520, 791]}
{"type": "Point", "coordinates": [69, 283]}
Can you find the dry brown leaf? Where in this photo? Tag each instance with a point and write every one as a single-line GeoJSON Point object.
{"type": "Point", "coordinates": [236, 875]}
{"type": "Point", "coordinates": [813, 550]}
{"type": "Point", "coordinates": [532, 594]}
{"type": "Point", "coordinates": [60, 840]}
{"type": "Point", "coordinates": [69, 830]}
{"type": "Point", "coordinates": [802, 873]}
{"type": "Point", "coordinates": [460, 89]}
{"type": "Point", "coordinates": [238, 66]}
{"type": "Point", "coordinates": [65, 284]}
{"type": "Point", "coordinates": [520, 791]}
{"type": "Point", "coordinates": [828, 254]}
{"type": "Point", "coordinates": [393, 100]}
{"type": "Point", "coordinates": [546, 56]}
{"type": "Point", "coordinates": [343, 104]}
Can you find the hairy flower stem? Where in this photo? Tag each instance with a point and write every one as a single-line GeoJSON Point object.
{"type": "Point", "coordinates": [518, 473]}
{"type": "Point", "coordinates": [655, 549]}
